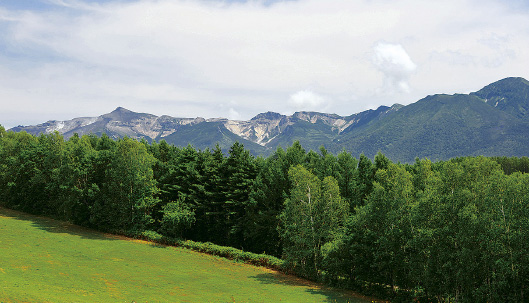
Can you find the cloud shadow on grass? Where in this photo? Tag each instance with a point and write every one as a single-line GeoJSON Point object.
{"type": "Point", "coordinates": [56, 226]}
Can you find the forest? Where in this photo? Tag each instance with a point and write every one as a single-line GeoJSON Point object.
{"type": "Point", "coordinates": [446, 231]}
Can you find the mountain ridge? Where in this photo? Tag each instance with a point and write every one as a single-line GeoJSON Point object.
{"type": "Point", "coordinates": [261, 129]}
{"type": "Point", "coordinates": [491, 121]}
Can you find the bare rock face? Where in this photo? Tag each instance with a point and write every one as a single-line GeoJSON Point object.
{"type": "Point", "coordinates": [119, 123]}
{"type": "Point", "coordinates": [264, 127]}
{"type": "Point", "coordinates": [260, 129]}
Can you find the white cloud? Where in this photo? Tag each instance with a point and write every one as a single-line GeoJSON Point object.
{"type": "Point", "coordinates": [396, 65]}
{"type": "Point", "coordinates": [184, 57]}
{"type": "Point", "coordinates": [234, 115]}
{"type": "Point", "coordinates": [306, 100]}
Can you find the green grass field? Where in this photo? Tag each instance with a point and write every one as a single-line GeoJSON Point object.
{"type": "Point", "coordinates": [43, 260]}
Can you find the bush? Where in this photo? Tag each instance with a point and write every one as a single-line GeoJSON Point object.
{"type": "Point", "coordinates": [151, 235]}
{"type": "Point", "coordinates": [216, 250]}
{"type": "Point", "coordinates": [177, 217]}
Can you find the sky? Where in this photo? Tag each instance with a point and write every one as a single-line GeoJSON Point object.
{"type": "Point", "coordinates": [61, 59]}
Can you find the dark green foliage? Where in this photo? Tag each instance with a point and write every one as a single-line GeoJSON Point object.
{"type": "Point", "coordinates": [182, 176]}
{"type": "Point", "coordinates": [346, 175]}
{"type": "Point", "coordinates": [20, 167]}
{"type": "Point", "coordinates": [513, 164]}
{"type": "Point", "coordinates": [364, 181]}
{"type": "Point", "coordinates": [269, 190]}
{"type": "Point", "coordinates": [455, 230]}
{"type": "Point", "coordinates": [214, 187]}
{"type": "Point", "coordinates": [445, 231]}
{"type": "Point", "coordinates": [78, 191]}
{"type": "Point", "coordinates": [374, 245]}
{"type": "Point", "coordinates": [128, 189]}
{"type": "Point", "coordinates": [238, 174]}
{"type": "Point", "coordinates": [209, 197]}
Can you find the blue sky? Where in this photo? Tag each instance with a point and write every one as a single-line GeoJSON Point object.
{"type": "Point", "coordinates": [61, 59]}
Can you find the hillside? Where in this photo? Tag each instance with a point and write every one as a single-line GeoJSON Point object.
{"type": "Point", "coordinates": [441, 127]}
{"type": "Point", "coordinates": [510, 95]}
{"type": "Point", "coordinates": [52, 261]}
{"type": "Point", "coordinates": [493, 121]}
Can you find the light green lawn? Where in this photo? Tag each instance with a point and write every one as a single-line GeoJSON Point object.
{"type": "Point", "coordinates": [43, 260]}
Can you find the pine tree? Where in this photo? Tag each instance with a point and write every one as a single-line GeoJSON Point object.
{"type": "Point", "coordinates": [346, 171]}
{"type": "Point", "coordinates": [238, 174]}
{"type": "Point", "coordinates": [209, 198]}
{"type": "Point", "coordinates": [364, 181]}
{"type": "Point", "coordinates": [270, 189]}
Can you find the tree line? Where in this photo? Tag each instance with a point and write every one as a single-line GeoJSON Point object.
{"type": "Point", "coordinates": [454, 230]}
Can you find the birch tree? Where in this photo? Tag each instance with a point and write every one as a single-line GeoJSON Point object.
{"type": "Point", "coordinates": [312, 212]}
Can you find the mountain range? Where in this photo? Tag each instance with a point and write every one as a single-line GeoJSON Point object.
{"type": "Point", "coordinates": [493, 121]}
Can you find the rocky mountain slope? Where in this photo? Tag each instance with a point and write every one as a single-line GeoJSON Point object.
{"type": "Point", "coordinates": [491, 121]}
{"type": "Point", "coordinates": [261, 134]}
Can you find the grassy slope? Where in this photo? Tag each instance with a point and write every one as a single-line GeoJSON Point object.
{"type": "Point", "coordinates": [50, 261]}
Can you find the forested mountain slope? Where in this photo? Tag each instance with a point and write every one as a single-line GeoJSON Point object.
{"type": "Point", "coordinates": [442, 127]}
{"type": "Point", "coordinates": [510, 95]}
{"type": "Point", "coordinates": [490, 122]}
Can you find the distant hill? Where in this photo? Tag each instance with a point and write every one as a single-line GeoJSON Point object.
{"type": "Point", "coordinates": [492, 121]}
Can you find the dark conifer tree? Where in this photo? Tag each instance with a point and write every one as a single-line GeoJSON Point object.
{"type": "Point", "coordinates": [209, 198]}
{"type": "Point", "coordinates": [364, 180]}
{"type": "Point", "coordinates": [238, 172]}
{"type": "Point", "coordinates": [268, 193]}
{"type": "Point", "coordinates": [345, 174]}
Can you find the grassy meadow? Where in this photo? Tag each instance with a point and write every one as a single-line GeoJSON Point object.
{"type": "Point", "coordinates": [43, 260]}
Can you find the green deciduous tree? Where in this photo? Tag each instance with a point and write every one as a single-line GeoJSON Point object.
{"type": "Point", "coordinates": [374, 245]}
{"type": "Point", "coordinates": [177, 217]}
{"type": "Point", "coordinates": [129, 189]}
{"type": "Point", "coordinates": [78, 191]}
{"type": "Point", "coordinates": [312, 213]}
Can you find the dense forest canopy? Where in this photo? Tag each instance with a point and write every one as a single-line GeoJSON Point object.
{"type": "Point", "coordinates": [454, 230]}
